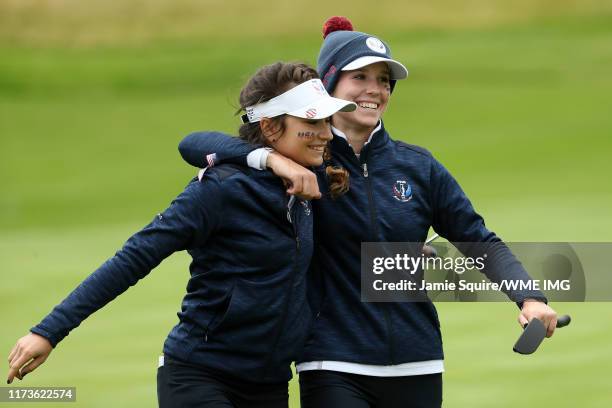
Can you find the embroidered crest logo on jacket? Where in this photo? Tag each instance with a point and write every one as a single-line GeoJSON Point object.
{"type": "Point", "coordinates": [402, 191]}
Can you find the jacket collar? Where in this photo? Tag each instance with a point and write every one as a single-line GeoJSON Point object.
{"type": "Point", "coordinates": [378, 138]}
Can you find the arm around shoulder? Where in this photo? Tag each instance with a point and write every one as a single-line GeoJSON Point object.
{"type": "Point", "coordinates": [203, 149]}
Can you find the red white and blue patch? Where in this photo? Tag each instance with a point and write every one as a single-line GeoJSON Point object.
{"type": "Point", "coordinates": [311, 113]}
{"type": "Point", "coordinates": [402, 191]}
{"type": "Point", "coordinates": [211, 159]}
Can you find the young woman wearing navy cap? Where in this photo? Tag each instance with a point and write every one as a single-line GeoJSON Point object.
{"type": "Point", "coordinates": [245, 315]}
{"type": "Point", "coordinates": [362, 354]}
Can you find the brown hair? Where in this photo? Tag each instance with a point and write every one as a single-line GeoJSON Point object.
{"type": "Point", "coordinates": [337, 176]}
{"type": "Point", "coordinates": [269, 82]}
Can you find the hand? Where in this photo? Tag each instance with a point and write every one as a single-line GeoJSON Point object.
{"type": "Point", "coordinates": [30, 351]}
{"type": "Point", "coordinates": [429, 252]}
{"type": "Point", "coordinates": [534, 308]}
{"type": "Point", "coordinates": [300, 181]}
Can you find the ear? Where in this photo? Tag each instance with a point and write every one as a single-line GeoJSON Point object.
{"type": "Point", "coordinates": [269, 129]}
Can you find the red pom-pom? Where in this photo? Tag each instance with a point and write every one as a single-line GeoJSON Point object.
{"type": "Point", "coordinates": [336, 23]}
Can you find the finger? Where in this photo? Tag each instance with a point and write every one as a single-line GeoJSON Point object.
{"type": "Point", "coordinates": [303, 186]}
{"type": "Point", "coordinates": [17, 363]}
{"type": "Point", "coordinates": [288, 185]}
{"type": "Point", "coordinates": [12, 372]}
{"type": "Point", "coordinates": [522, 319]}
{"type": "Point", "coordinates": [316, 193]}
{"type": "Point", "coordinates": [550, 330]}
{"type": "Point", "coordinates": [13, 353]}
{"type": "Point", "coordinates": [297, 186]}
{"type": "Point", "coordinates": [31, 366]}
{"type": "Point", "coordinates": [313, 189]}
{"type": "Point", "coordinates": [306, 189]}
{"type": "Point", "coordinates": [16, 356]}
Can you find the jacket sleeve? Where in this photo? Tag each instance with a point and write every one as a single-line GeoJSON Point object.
{"type": "Point", "coordinates": [203, 149]}
{"type": "Point", "coordinates": [189, 220]}
{"type": "Point", "coordinates": [455, 219]}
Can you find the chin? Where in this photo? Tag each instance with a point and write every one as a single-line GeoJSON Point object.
{"type": "Point", "coordinates": [309, 161]}
{"type": "Point", "coordinates": [314, 162]}
{"type": "Point", "coordinates": [368, 121]}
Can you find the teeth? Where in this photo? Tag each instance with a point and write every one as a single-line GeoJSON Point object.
{"type": "Point", "coordinates": [317, 148]}
{"type": "Point", "coordinates": [368, 105]}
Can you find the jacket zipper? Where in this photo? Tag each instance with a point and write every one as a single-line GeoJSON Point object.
{"type": "Point", "coordinates": [287, 301]}
{"type": "Point", "coordinates": [374, 228]}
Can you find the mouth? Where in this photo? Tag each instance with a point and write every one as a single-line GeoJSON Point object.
{"type": "Point", "coordinates": [368, 105]}
{"type": "Point", "coordinates": [317, 148]}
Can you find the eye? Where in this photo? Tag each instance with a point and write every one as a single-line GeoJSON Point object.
{"type": "Point", "coordinates": [385, 79]}
{"type": "Point", "coordinates": [358, 76]}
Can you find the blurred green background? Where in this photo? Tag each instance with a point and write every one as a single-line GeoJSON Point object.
{"type": "Point", "coordinates": [514, 97]}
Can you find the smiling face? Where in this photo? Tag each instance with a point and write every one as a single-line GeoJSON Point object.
{"type": "Point", "coordinates": [301, 140]}
{"type": "Point", "coordinates": [369, 87]}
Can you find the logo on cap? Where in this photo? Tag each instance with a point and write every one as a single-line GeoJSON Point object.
{"type": "Point", "coordinates": [311, 113]}
{"type": "Point", "coordinates": [376, 45]}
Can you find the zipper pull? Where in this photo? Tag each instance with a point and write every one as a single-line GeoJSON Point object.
{"type": "Point", "coordinates": [365, 170]}
{"type": "Point", "coordinates": [289, 206]}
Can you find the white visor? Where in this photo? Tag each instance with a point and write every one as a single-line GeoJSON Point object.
{"type": "Point", "coordinates": [308, 100]}
{"type": "Point", "coordinates": [398, 70]}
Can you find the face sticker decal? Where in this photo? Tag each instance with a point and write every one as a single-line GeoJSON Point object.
{"type": "Point", "coordinates": [308, 134]}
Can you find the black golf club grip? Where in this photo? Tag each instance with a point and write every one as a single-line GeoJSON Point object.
{"type": "Point", "coordinates": [563, 321]}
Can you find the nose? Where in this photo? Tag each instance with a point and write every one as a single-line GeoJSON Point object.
{"type": "Point", "coordinates": [374, 87]}
{"type": "Point", "coordinates": [325, 133]}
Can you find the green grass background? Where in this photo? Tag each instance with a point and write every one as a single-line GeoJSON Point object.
{"type": "Point", "coordinates": [513, 97]}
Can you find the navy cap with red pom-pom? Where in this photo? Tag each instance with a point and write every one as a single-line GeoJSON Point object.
{"type": "Point", "coordinates": [344, 49]}
{"type": "Point", "coordinates": [336, 23]}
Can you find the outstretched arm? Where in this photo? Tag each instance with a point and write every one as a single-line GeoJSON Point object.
{"type": "Point", "coordinates": [189, 220]}
{"type": "Point", "coordinates": [207, 149]}
{"type": "Point", "coordinates": [455, 219]}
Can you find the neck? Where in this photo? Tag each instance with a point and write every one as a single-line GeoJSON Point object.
{"type": "Point", "coordinates": [357, 136]}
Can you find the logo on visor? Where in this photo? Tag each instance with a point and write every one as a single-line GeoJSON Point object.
{"type": "Point", "coordinates": [318, 86]}
{"type": "Point", "coordinates": [250, 111]}
{"type": "Point", "coordinates": [376, 45]}
{"type": "Point", "coordinates": [311, 113]}
{"type": "Point", "coordinates": [402, 191]}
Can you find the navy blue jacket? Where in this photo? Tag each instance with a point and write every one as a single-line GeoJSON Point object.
{"type": "Point", "coordinates": [245, 312]}
{"type": "Point", "coordinates": [347, 329]}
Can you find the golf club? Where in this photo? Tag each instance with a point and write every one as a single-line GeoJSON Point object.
{"type": "Point", "coordinates": [534, 334]}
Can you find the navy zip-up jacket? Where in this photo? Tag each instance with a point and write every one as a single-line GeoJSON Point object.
{"type": "Point", "coordinates": [347, 329]}
{"type": "Point", "coordinates": [245, 312]}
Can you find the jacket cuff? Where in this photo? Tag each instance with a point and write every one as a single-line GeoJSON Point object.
{"type": "Point", "coordinates": [538, 297]}
{"type": "Point", "coordinates": [42, 332]}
